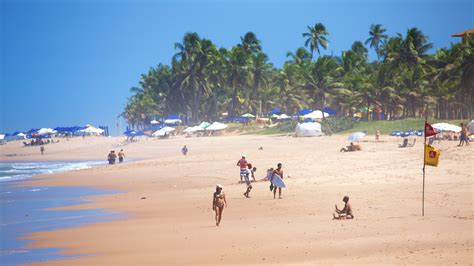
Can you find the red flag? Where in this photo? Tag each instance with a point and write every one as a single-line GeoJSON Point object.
{"type": "Point", "coordinates": [429, 130]}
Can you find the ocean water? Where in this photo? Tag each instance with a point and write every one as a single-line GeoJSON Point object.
{"type": "Point", "coordinates": [23, 210]}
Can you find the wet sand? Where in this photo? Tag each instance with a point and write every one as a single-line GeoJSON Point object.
{"type": "Point", "coordinates": [168, 198]}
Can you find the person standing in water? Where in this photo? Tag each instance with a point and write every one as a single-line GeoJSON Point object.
{"type": "Point", "coordinates": [111, 158]}
{"type": "Point", "coordinates": [184, 150]}
{"type": "Point", "coordinates": [218, 203]}
{"type": "Point", "coordinates": [346, 212]}
{"type": "Point", "coordinates": [243, 168]}
{"type": "Point", "coordinates": [42, 149]}
{"type": "Point", "coordinates": [277, 173]}
{"type": "Point", "coordinates": [121, 155]}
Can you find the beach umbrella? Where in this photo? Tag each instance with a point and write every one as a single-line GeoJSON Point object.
{"type": "Point", "coordinates": [275, 116]}
{"type": "Point", "coordinates": [316, 115]}
{"type": "Point", "coordinates": [154, 122]}
{"type": "Point", "coordinates": [248, 115]}
{"type": "Point", "coordinates": [204, 124]}
{"type": "Point", "coordinates": [442, 127]}
{"type": "Point", "coordinates": [216, 126]}
{"type": "Point", "coordinates": [275, 111]}
{"type": "Point", "coordinates": [330, 111]}
{"type": "Point", "coordinates": [304, 112]}
{"type": "Point", "coordinates": [356, 136]}
{"type": "Point", "coordinates": [283, 116]}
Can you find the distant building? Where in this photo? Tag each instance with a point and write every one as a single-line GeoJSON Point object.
{"type": "Point", "coordinates": [464, 34]}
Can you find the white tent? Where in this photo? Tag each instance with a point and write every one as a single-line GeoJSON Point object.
{"type": "Point", "coordinates": [92, 130]}
{"type": "Point", "coordinates": [470, 127]}
{"type": "Point", "coordinates": [2, 136]}
{"type": "Point", "coordinates": [173, 121]}
{"type": "Point", "coordinates": [283, 116]}
{"type": "Point", "coordinates": [21, 135]}
{"type": "Point", "coordinates": [163, 131]}
{"type": "Point", "coordinates": [204, 124]}
{"type": "Point", "coordinates": [154, 122]}
{"type": "Point", "coordinates": [312, 129]}
{"type": "Point", "coordinates": [442, 127]}
{"type": "Point", "coordinates": [316, 115]}
{"type": "Point", "coordinates": [193, 129]}
{"type": "Point", "coordinates": [216, 126]}
{"type": "Point", "coordinates": [46, 131]}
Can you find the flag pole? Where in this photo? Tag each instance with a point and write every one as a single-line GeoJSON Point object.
{"type": "Point", "coordinates": [424, 164]}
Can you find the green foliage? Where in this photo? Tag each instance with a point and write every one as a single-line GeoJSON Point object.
{"type": "Point", "coordinates": [406, 81]}
{"type": "Point", "coordinates": [333, 125]}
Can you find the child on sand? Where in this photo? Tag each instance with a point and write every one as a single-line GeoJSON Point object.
{"type": "Point", "coordinates": [218, 203]}
{"type": "Point", "coordinates": [248, 179]}
{"type": "Point", "coordinates": [346, 212]}
{"type": "Point", "coordinates": [184, 150]}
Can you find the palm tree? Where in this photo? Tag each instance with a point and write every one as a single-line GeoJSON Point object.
{"type": "Point", "coordinates": [250, 43]}
{"type": "Point", "coordinates": [377, 38]}
{"type": "Point", "coordinates": [315, 37]}
{"type": "Point", "coordinates": [238, 75]}
{"type": "Point", "coordinates": [260, 72]}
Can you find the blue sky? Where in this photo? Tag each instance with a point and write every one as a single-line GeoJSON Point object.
{"type": "Point", "coordinates": [73, 62]}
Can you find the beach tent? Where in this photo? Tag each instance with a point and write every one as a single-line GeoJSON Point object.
{"type": "Point", "coordinates": [216, 126]}
{"type": "Point", "coordinates": [315, 115]}
{"type": "Point", "coordinates": [2, 136]}
{"type": "Point", "coordinates": [312, 129]}
{"type": "Point", "coordinates": [304, 112]}
{"type": "Point", "coordinates": [173, 121]}
{"type": "Point", "coordinates": [92, 130]}
{"type": "Point", "coordinates": [445, 127]}
{"type": "Point", "coordinates": [163, 131]}
{"type": "Point", "coordinates": [275, 111]}
{"type": "Point", "coordinates": [330, 111]}
{"type": "Point", "coordinates": [470, 127]}
{"type": "Point", "coordinates": [248, 115]}
{"type": "Point", "coordinates": [283, 116]}
{"type": "Point", "coordinates": [193, 129]}
{"type": "Point", "coordinates": [154, 122]}
{"type": "Point", "coordinates": [46, 131]}
{"type": "Point", "coordinates": [204, 125]}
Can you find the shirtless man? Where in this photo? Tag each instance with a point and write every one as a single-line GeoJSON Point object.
{"type": "Point", "coordinates": [218, 203]}
{"type": "Point", "coordinates": [377, 135]}
{"type": "Point", "coordinates": [279, 172]}
{"type": "Point", "coordinates": [121, 155]}
{"type": "Point", "coordinates": [242, 163]}
{"type": "Point", "coordinates": [346, 212]}
{"type": "Point", "coordinates": [463, 137]}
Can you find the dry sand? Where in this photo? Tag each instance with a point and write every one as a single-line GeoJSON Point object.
{"type": "Point", "coordinates": [174, 224]}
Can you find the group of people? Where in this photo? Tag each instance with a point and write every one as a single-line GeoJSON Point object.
{"type": "Point", "coordinates": [275, 176]}
{"type": "Point", "coordinates": [112, 157]}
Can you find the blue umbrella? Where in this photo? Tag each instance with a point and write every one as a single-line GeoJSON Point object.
{"type": "Point", "coordinates": [356, 136]}
{"type": "Point", "coordinates": [304, 112]}
{"type": "Point", "coordinates": [329, 111]}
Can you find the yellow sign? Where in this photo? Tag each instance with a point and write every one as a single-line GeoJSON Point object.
{"type": "Point", "coordinates": [431, 155]}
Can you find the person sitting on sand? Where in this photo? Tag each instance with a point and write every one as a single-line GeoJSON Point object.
{"type": "Point", "coordinates": [277, 173]}
{"type": "Point", "coordinates": [184, 150]}
{"type": "Point", "coordinates": [406, 144]}
{"type": "Point", "coordinates": [242, 163]}
{"type": "Point", "coordinates": [218, 203]}
{"type": "Point", "coordinates": [346, 212]}
{"type": "Point", "coordinates": [111, 158]}
{"type": "Point", "coordinates": [121, 155]}
{"type": "Point", "coordinates": [351, 147]}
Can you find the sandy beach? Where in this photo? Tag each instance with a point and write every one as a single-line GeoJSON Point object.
{"type": "Point", "coordinates": [167, 198]}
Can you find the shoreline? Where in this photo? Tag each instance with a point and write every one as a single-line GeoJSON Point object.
{"type": "Point", "coordinates": [167, 197]}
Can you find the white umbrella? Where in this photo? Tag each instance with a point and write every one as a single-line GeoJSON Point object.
{"type": "Point", "coordinates": [46, 131]}
{"type": "Point", "coordinates": [441, 127]}
{"type": "Point", "coordinates": [283, 116]}
{"type": "Point", "coordinates": [2, 136]}
{"type": "Point", "coordinates": [163, 131]}
{"type": "Point", "coordinates": [316, 115]}
{"type": "Point", "coordinates": [204, 125]}
{"type": "Point", "coordinates": [92, 130]}
{"type": "Point", "coordinates": [248, 115]}
{"type": "Point", "coordinates": [154, 122]}
{"type": "Point", "coordinates": [356, 136]}
{"type": "Point", "coordinates": [216, 126]}
{"type": "Point", "coordinates": [173, 121]}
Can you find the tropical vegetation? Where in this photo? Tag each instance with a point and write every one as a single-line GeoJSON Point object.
{"type": "Point", "coordinates": [408, 80]}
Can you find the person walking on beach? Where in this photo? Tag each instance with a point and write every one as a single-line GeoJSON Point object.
{"type": "Point", "coordinates": [121, 155]}
{"type": "Point", "coordinates": [111, 158]}
{"type": "Point", "coordinates": [277, 180]}
{"type": "Point", "coordinates": [377, 135]}
{"type": "Point", "coordinates": [463, 138]}
{"type": "Point", "coordinates": [184, 150]}
{"type": "Point", "coordinates": [346, 212]}
{"type": "Point", "coordinates": [42, 149]}
{"type": "Point", "coordinates": [242, 163]}
{"type": "Point", "coordinates": [218, 203]}
{"type": "Point", "coordinates": [249, 178]}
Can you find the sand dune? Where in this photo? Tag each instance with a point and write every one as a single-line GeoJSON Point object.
{"type": "Point", "coordinates": [167, 198]}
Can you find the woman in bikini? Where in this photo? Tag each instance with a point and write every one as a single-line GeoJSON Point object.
{"type": "Point", "coordinates": [218, 203]}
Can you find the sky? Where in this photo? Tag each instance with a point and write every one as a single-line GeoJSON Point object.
{"type": "Point", "coordinates": [73, 62]}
